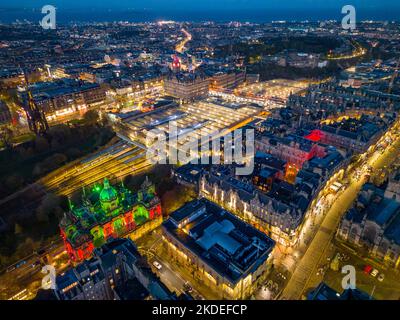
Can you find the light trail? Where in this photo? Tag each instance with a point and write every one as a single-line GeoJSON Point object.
{"type": "Point", "coordinates": [180, 47]}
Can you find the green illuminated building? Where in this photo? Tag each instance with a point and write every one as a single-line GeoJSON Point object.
{"type": "Point", "coordinates": [106, 212]}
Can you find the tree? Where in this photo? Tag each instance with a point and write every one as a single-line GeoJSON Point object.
{"type": "Point", "coordinates": [41, 144]}
{"type": "Point", "coordinates": [26, 248]}
{"type": "Point", "coordinates": [7, 136]}
{"type": "Point", "coordinates": [37, 170]}
{"type": "Point", "coordinates": [91, 117]}
{"type": "Point", "coordinates": [73, 153]}
{"type": "Point", "coordinates": [14, 182]}
{"type": "Point", "coordinates": [48, 206]}
{"type": "Point", "coordinates": [60, 132]}
{"type": "Point", "coordinates": [176, 198]}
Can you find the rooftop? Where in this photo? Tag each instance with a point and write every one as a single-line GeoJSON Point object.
{"type": "Point", "coordinates": [48, 90]}
{"type": "Point", "coordinates": [227, 244]}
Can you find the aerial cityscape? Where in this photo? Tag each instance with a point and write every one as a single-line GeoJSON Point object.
{"type": "Point", "coordinates": [200, 154]}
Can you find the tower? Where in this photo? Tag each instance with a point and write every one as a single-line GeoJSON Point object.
{"type": "Point", "coordinates": [36, 118]}
{"type": "Point", "coordinates": [108, 197]}
{"type": "Point", "coordinates": [176, 64]}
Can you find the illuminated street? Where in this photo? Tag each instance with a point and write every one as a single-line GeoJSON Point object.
{"type": "Point", "coordinates": [306, 268]}
{"type": "Point", "coordinates": [181, 46]}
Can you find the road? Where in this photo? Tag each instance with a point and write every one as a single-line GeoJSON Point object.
{"type": "Point", "coordinates": [358, 51]}
{"type": "Point", "coordinates": [307, 266]}
{"type": "Point", "coordinates": [181, 45]}
{"type": "Point", "coordinates": [151, 245]}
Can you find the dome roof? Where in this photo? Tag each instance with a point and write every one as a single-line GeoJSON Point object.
{"type": "Point", "coordinates": [108, 193]}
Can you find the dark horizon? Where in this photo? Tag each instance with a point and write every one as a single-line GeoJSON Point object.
{"type": "Point", "coordinates": [205, 4]}
{"type": "Point", "coordinates": [98, 14]}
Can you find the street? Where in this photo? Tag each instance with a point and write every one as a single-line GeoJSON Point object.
{"type": "Point", "coordinates": [151, 245]}
{"type": "Point", "coordinates": [303, 276]}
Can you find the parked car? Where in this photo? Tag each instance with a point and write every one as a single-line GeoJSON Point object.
{"type": "Point", "coordinates": [157, 265]}
{"type": "Point", "coordinates": [367, 269]}
{"type": "Point", "coordinates": [20, 264]}
{"type": "Point", "coordinates": [187, 287]}
{"type": "Point", "coordinates": [381, 277]}
{"type": "Point", "coordinates": [374, 272]}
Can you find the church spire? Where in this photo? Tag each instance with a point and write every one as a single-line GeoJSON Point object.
{"type": "Point", "coordinates": [69, 203]}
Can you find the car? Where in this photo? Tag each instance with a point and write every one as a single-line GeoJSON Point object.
{"type": "Point", "coordinates": [367, 269]}
{"type": "Point", "coordinates": [188, 288]}
{"type": "Point", "coordinates": [157, 265]}
{"type": "Point", "coordinates": [374, 272]}
{"type": "Point", "coordinates": [20, 264]}
{"type": "Point", "coordinates": [381, 277]}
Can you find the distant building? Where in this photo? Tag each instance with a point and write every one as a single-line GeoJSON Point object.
{"type": "Point", "coordinates": [373, 223]}
{"type": "Point", "coordinates": [188, 175]}
{"type": "Point", "coordinates": [228, 254]}
{"type": "Point", "coordinates": [351, 134]}
{"type": "Point", "coordinates": [333, 99]}
{"type": "Point", "coordinates": [293, 149]}
{"type": "Point", "coordinates": [107, 212]}
{"type": "Point", "coordinates": [279, 213]}
{"type": "Point", "coordinates": [301, 60]}
{"type": "Point", "coordinates": [252, 78]}
{"type": "Point", "coordinates": [226, 79]}
{"type": "Point", "coordinates": [115, 272]}
{"type": "Point", "coordinates": [357, 140]}
{"type": "Point", "coordinates": [186, 86]}
{"type": "Point", "coordinates": [393, 188]}
{"type": "Point", "coordinates": [327, 165]}
{"type": "Point", "coordinates": [65, 96]}
{"type": "Point", "coordinates": [11, 78]}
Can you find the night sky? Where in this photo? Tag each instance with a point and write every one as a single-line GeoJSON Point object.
{"type": "Point", "coordinates": [198, 10]}
{"type": "Point", "coordinates": [204, 4]}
